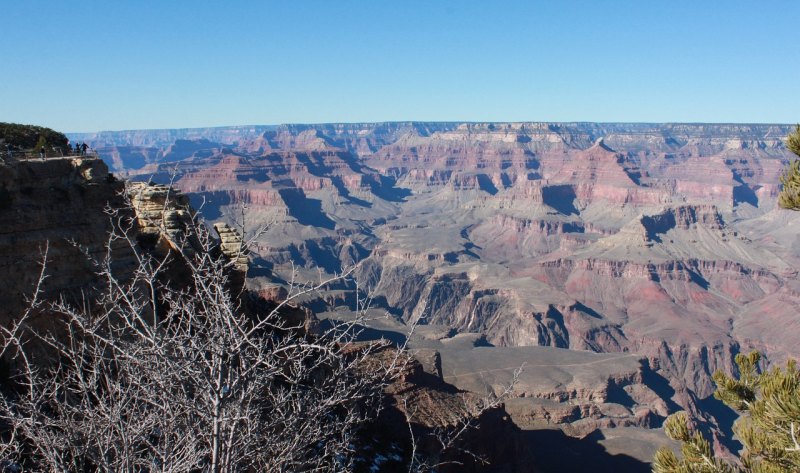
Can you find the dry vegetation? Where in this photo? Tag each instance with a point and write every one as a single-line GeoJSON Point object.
{"type": "Point", "coordinates": [150, 374]}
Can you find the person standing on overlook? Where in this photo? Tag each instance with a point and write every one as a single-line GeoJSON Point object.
{"type": "Point", "coordinates": [41, 153]}
{"type": "Point", "coordinates": [84, 146]}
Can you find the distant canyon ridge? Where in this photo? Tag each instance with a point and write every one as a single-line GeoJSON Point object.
{"type": "Point", "coordinates": [662, 242]}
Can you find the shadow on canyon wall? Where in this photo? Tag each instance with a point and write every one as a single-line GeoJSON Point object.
{"type": "Point", "coordinates": [386, 190]}
{"type": "Point", "coordinates": [555, 452]}
{"type": "Point", "coordinates": [367, 334]}
{"type": "Point", "coordinates": [306, 211]}
{"type": "Point", "coordinates": [561, 198]}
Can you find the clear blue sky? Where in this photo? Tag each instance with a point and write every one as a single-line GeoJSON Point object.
{"type": "Point", "coordinates": [108, 65]}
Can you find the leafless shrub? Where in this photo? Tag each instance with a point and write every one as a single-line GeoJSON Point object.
{"type": "Point", "coordinates": [146, 375]}
{"type": "Point", "coordinates": [152, 376]}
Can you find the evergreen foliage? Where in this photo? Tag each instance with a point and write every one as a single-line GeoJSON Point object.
{"type": "Point", "coordinates": [789, 197]}
{"type": "Point", "coordinates": [696, 450]}
{"type": "Point", "coordinates": [769, 426]}
{"type": "Point", "coordinates": [793, 141]}
{"type": "Point", "coordinates": [30, 137]}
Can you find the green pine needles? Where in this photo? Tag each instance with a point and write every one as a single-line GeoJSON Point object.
{"type": "Point", "coordinates": [30, 137]}
{"type": "Point", "coordinates": [769, 426]}
{"type": "Point", "coordinates": [789, 197]}
{"type": "Point", "coordinates": [695, 450]}
{"type": "Point", "coordinates": [793, 141]}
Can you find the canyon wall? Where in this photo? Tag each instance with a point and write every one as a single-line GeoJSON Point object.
{"type": "Point", "coordinates": [659, 240]}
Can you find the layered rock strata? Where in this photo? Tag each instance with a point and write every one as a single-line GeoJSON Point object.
{"type": "Point", "coordinates": [52, 214]}
{"type": "Point", "coordinates": [660, 240]}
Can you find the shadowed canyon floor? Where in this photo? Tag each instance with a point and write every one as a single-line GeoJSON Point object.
{"type": "Point", "coordinates": [621, 264]}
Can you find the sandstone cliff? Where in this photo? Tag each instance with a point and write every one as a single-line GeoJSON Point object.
{"type": "Point", "coordinates": [53, 211]}
{"type": "Point", "coordinates": [60, 213]}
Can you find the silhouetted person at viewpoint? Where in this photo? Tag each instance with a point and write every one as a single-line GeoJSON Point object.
{"type": "Point", "coordinates": [84, 147]}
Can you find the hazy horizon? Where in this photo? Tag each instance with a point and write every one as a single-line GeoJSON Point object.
{"type": "Point", "coordinates": [420, 122]}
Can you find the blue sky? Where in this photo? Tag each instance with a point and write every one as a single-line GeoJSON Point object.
{"type": "Point", "coordinates": [108, 65]}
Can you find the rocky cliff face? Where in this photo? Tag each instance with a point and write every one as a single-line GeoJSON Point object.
{"type": "Point", "coordinates": [655, 239]}
{"type": "Point", "coordinates": [52, 211]}
{"type": "Point", "coordinates": [60, 213]}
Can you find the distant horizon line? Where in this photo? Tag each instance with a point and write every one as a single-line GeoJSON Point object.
{"type": "Point", "coordinates": [432, 122]}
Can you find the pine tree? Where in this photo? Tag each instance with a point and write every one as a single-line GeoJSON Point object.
{"type": "Point", "coordinates": [769, 426]}
{"type": "Point", "coordinates": [789, 197]}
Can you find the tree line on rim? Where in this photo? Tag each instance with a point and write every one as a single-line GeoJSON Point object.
{"type": "Point", "coordinates": [30, 137]}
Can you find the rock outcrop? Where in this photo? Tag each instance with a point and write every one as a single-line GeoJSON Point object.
{"type": "Point", "coordinates": [165, 221]}
{"type": "Point", "coordinates": [61, 212]}
{"type": "Point", "coordinates": [52, 213]}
